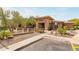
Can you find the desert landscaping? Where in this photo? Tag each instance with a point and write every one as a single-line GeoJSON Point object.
{"type": "Point", "coordinates": [40, 33]}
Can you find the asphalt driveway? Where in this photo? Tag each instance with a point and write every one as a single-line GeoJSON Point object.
{"type": "Point", "coordinates": [47, 45]}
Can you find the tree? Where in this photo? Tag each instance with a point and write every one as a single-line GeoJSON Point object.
{"type": "Point", "coordinates": [4, 34]}
{"type": "Point", "coordinates": [75, 21]}
{"type": "Point", "coordinates": [3, 16]}
{"type": "Point", "coordinates": [30, 23]}
{"type": "Point", "coordinates": [10, 25]}
{"type": "Point", "coordinates": [17, 19]}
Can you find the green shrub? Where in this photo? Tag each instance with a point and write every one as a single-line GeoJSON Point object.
{"type": "Point", "coordinates": [65, 28]}
{"type": "Point", "coordinates": [5, 34]}
{"type": "Point", "coordinates": [61, 30]}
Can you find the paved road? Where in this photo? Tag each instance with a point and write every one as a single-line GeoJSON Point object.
{"type": "Point", "coordinates": [47, 45]}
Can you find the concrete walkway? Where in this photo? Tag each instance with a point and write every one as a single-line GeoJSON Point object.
{"type": "Point", "coordinates": [23, 43]}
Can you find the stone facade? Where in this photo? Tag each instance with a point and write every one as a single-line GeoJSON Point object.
{"type": "Point", "coordinates": [44, 22]}
{"type": "Point", "coordinates": [47, 22]}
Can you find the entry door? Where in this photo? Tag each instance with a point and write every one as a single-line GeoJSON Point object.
{"type": "Point", "coordinates": [42, 25]}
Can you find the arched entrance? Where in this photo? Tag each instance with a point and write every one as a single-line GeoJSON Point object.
{"type": "Point", "coordinates": [44, 23]}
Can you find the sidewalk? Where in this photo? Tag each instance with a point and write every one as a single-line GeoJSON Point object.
{"type": "Point", "coordinates": [23, 43]}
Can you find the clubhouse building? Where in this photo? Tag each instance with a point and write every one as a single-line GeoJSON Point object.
{"type": "Point", "coordinates": [49, 23]}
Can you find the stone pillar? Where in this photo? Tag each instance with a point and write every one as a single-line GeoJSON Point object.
{"type": "Point", "coordinates": [22, 30]}
{"type": "Point", "coordinates": [37, 25]}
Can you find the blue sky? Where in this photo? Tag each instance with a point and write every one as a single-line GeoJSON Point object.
{"type": "Point", "coordinates": [58, 13]}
